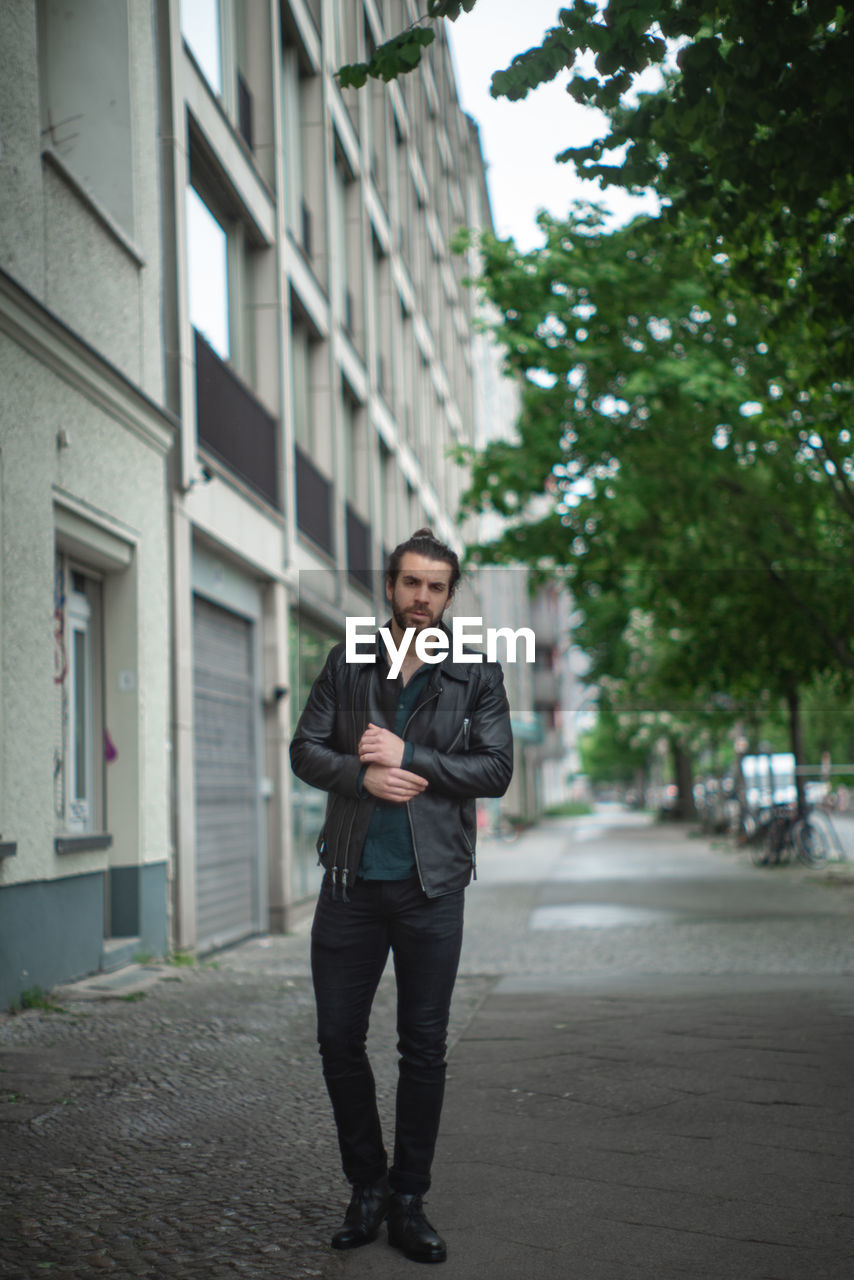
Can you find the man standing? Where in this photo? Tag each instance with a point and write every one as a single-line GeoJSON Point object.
{"type": "Point", "coordinates": [402, 760]}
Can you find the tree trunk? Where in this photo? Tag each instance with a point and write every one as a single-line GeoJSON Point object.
{"type": "Point", "coordinates": [683, 772]}
{"type": "Point", "coordinates": [796, 737]}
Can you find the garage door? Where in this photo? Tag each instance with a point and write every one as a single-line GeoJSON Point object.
{"type": "Point", "coordinates": [227, 821]}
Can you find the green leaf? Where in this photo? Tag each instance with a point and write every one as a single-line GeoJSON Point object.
{"type": "Point", "coordinates": [353, 75]}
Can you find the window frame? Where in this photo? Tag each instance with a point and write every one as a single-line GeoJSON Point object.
{"type": "Point", "coordinates": [81, 801]}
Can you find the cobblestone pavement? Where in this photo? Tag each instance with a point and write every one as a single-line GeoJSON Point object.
{"type": "Point", "coordinates": [179, 1128]}
{"type": "Point", "coordinates": [179, 1131]}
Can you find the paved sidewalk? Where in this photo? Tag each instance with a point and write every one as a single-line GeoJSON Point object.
{"type": "Point", "coordinates": [610, 1130]}
{"type": "Point", "coordinates": [667, 1097]}
{"type": "Point", "coordinates": [682, 1127]}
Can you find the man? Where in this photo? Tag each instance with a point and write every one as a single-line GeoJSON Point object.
{"type": "Point", "coordinates": [402, 760]}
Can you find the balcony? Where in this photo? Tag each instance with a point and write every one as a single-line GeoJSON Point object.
{"type": "Point", "coordinates": [234, 426]}
{"type": "Point", "coordinates": [314, 502]}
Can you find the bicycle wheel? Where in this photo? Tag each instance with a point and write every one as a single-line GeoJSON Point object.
{"type": "Point", "coordinates": [760, 855]}
{"type": "Point", "coordinates": [811, 843]}
{"type": "Point", "coordinates": [775, 840]}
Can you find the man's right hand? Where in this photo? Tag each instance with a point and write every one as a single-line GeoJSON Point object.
{"type": "Point", "coordinates": [389, 783]}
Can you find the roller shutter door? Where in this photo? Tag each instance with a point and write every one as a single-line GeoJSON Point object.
{"type": "Point", "coordinates": [227, 823]}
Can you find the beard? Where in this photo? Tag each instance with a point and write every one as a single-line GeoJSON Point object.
{"type": "Point", "coordinates": [403, 620]}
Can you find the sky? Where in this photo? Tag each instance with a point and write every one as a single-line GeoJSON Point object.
{"type": "Point", "coordinates": [521, 139]}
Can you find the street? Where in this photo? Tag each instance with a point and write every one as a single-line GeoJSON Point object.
{"type": "Point", "coordinates": [650, 1076]}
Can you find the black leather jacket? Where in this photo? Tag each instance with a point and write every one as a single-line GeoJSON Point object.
{"type": "Point", "coordinates": [462, 745]}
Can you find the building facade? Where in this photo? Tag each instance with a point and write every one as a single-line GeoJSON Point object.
{"type": "Point", "coordinates": [85, 438]}
{"type": "Point", "coordinates": [235, 362]}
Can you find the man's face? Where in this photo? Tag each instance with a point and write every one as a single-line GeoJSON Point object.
{"type": "Point", "coordinates": [420, 593]}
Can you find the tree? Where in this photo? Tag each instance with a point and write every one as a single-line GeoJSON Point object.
{"type": "Point", "coordinates": [749, 141]}
{"type": "Point", "coordinates": [683, 490]}
{"type": "Point", "coordinates": [608, 755]}
{"type": "Point", "coordinates": [641, 377]}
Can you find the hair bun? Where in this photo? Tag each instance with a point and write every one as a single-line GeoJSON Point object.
{"type": "Point", "coordinates": [424, 533]}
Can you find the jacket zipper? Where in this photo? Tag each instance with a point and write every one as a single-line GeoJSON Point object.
{"type": "Point", "coordinates": [466, 728]}
{"type": "Point", "coordinates": [420, 707]}
{"type": "Point", "coordinates": [342, 874]}
{"type": "Point", "coordinates": [462, 732]}
{"type": "Point", "coordinates": [415, 848]}
{"type": "Point", "coordinates": [433, 695]}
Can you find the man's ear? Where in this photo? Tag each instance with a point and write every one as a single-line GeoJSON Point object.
{"type": "Point", "coordinates": [389, 587]}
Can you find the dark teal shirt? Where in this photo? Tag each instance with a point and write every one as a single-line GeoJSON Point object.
{"type": "Point", "coordinates": [388, 853]}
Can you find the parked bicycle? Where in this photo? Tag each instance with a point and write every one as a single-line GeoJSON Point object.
{"type": "Point", "coordinates": [784, 831]}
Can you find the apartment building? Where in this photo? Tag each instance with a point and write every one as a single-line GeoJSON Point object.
{"type": "Point", "coordinates": [322, 341]}
{"type": "Point", "coordinates": [235, 361]}
{"type": "Point", "coordinates": [85, 438]}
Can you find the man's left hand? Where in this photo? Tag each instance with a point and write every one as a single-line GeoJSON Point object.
{"type": "Point", "coordinates": [381, 746]}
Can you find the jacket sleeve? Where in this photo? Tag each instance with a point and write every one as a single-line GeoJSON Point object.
{"type": "Point", "coordinates": [486, 768]}
{"type": "Point", "coordinates": [316, 757]}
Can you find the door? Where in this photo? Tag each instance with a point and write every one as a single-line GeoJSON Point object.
{"type": "Point", "coordinates": [226, 711]}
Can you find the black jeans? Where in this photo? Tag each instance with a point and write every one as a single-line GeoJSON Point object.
{"type": "Point", "coordinates": [350, 942]}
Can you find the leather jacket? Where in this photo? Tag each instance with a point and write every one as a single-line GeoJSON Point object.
{"type": "Point", "coordinates": [462, 745]}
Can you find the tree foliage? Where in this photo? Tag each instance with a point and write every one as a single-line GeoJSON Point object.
{"type": "Point", "coordinates": [750, 134]}
{"type": "Point", "coordinates": [698, 477]}
{"type": "Point", "coordinates": [607, 754]}
{"type": "Point", "coordinates": [402, 53]}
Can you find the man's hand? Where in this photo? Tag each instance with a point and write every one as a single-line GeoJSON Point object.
{"type": "Point", "coordinates": [389, 783]}
{"type": "Point", "coordinates": [380, 746]}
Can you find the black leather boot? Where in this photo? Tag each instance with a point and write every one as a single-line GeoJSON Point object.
{"type": "Point", "coordinates": [409, 1230]}
{"type": "Point", "coordinates": [366, 1211]}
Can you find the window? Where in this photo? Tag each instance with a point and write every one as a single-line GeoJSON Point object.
{"type": "Point", "coordinates": [292, 116]}
{"type": "Point", "coordinates": [200, 27]}
{"type": "Point", "coordinates": [305, 167]}
{"type": "Point", "coordinates": [355, 451]}
{"type": "Point", "coordinates": [340, 257]}
{"type": "Point", "coordinates": [382, 316]}
{"type": "Point", "coordinates": [346, 256]}
{"type": "Point", "coordinates": [81, 745]}
{"type": "Point", "coordinates": [222, 43]}
{"type": "Point", "coordinates": [224, 256]}
{"type": "Point", "coordinates": [301, 382]}
{"type": "Point", "coordinates": [207, 269]}
{"type": "Point", "coordinates": [389, 478]}
{"type": "Point", "coordinates": [222, 262]}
